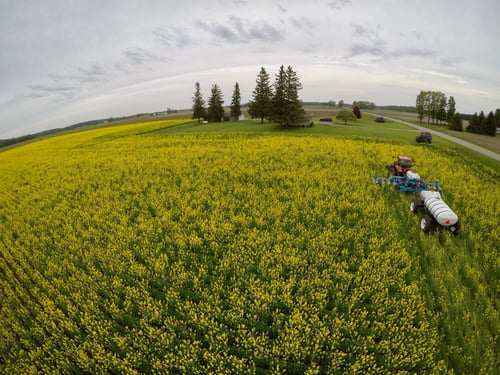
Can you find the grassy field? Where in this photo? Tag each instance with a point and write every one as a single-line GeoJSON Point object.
{"type": "Point", "coordinates": [179, 247]}
{"type": "Point", "coordinates": [491, 143]}
{"type": "Point", "coordinates": [317, 112]}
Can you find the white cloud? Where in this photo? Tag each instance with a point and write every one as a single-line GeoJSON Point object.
{"type": "Point", "coordinates": [66, 62]}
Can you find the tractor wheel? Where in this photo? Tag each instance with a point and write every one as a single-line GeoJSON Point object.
{"type": "Point", "coordinates": [413, 206]}
{"type": "Point", "coordinates": [426, 223]}
{"type": "Point", "coordinates": [455, 228]}
{"type": "Point", "coordinates": [391, 171]}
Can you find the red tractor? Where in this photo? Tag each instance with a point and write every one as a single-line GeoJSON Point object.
{"type": "Point", "coordinates": [400, 167]}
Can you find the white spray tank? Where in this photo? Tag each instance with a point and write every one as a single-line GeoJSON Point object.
{"type": "Point", "coordinates": [438, 208]}
{"type": "Point", "coordinates": [413, 175]}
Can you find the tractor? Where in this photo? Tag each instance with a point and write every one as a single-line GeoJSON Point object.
{"type": "Point", "coordinates": [399, 167]}
{"type": "Point", "coordinates": [428, 199]}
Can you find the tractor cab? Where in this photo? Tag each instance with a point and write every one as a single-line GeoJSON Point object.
{"type": "Point", "coordinates": [404, 162]}
{"type": "Point", "coordinates": [400, 166]}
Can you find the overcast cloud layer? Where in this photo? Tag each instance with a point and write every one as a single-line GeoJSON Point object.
{"type": "Point", "coordinates": [69, 61]}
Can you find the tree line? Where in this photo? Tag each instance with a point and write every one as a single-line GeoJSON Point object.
{"type": "Point", "coordinates": [435, 106]}
{"type": "Point", "coordinates": [482, 124]}
{"type": "Point", "coordinates": [278, 102]}
{"type": "Point", "coordinates": [215, 111]}
{"type": "Point", "coordinates": [440, 109]}
{"type": "Point", "coordinates": [43, 133]}
{"type": "Point", "coordinates": [50, 132]}
{"type": "Point", "coordinates": [399, 108]}
{"type": "Point", "coordinates": [363, 104]}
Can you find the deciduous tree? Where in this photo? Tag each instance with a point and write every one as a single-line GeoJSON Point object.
{"type": "Point", "coordinates": [345, 115]}
{"type": "Point", "coordinates": [431, 104]}
{"type": "Point", "coordinates": [441, 107]}
{"type": "Point", "coordinates": [420, 105]}
{"type": "Point", "coordinates": [450, 109]}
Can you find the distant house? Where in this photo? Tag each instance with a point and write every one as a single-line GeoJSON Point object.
{"type": "Point", "coordinates": [161, 113]}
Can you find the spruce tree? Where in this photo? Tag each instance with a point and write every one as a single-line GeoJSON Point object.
{"type": "Point", "coordinates": [473, 124]}
{"type": "Point", "coordinates": [490, 125]}
{"type": "Point", "coordinates": [260, 105]}
{"type": "Point", "coordinates": [456, 122]}
{"type": "Point", "coordinates": [215, 109]}
{"type": "Point", "coordinates": [279, 98]}
{"type": "Point", "coordinates": [481, 123]}
{"type": "Point", "coordinates": [295, 111]}
{"type": "Point", "coordinates": [199, 110]}
{"type": "Point", "coordinates": [236, 103]}
{"type": "Point", "coordinates": [286, 106]}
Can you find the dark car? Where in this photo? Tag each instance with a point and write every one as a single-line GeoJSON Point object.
{"type": "Point", "coordinates": [424, 137]}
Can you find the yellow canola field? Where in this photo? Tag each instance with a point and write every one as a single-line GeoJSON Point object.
{"type": "Point", "coordinates": [126, 251]}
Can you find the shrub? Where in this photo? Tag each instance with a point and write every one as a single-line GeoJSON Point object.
{"type": "Point", "coordinates": [357, 112]}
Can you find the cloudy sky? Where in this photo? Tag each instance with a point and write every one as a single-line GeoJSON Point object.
{"type": "Point", "coordinates": [66, 61]}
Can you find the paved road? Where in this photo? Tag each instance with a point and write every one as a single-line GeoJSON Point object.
{"type": "Point", "coordinates": [472, 146]}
